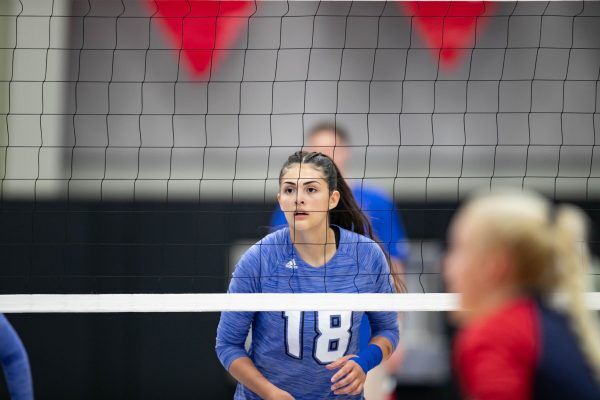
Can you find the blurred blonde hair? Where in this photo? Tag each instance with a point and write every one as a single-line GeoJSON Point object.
{"type": "Point", "coordinates": [548, 244]}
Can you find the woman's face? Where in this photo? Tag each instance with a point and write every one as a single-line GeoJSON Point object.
{"type": "Point", "coordinates": [466, 266]}
{"type": "Point", "coordinates": [304, 197]}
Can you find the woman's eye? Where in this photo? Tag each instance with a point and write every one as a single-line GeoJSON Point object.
{"type": "Point", "coordinates": [311, 190]}
{"type": "Point", "coordinates": [288, 190]}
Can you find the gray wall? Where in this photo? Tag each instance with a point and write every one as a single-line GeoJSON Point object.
{"type": "Point", "coordinates": [121, 120]}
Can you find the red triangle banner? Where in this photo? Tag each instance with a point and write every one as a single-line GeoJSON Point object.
{"type": "Point", "coordinates": [447, 27]}
{"type": "Point", "coordinates": [197, 28]}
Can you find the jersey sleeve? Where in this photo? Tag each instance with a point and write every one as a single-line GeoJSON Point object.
{"type": "Point", "coordinates": [234, 326]}
{"type": "Point", "coordinates": [14, 362]}
{"type": "Point", "coordinates": [383, 324]}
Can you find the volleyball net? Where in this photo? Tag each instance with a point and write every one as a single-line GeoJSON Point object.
{"type": "Point", "coordinates": [141, 141]}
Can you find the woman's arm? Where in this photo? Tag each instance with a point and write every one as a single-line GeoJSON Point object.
{"type": "Point", "coordinates": [353, 368]}
{"type": "Point", "coordinates": [384, 325]}
{"type": "Point", "coordinates": [245, 372]}
{"type": "Point", "coordinates": [233, 327]}
{"type": "Point", "coordinates": [233, 330]}
{"type": "Point", "coordinates": [384, 344]}
{"type": "Point", "coordinates": [14, 362]}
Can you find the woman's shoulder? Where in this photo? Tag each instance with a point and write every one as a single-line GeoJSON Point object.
{"type": "Point", "coordinates": [504, 340]}
{"type": "Point", "coordinates": [512, 326]}
{"type": "Point", "coordinates": [278, 236]}
{"type": "Point", "coordinates": [348, 236]}
{"type": "Point", "coordinates": [272, 244]}
{"type": "Point", "coordinates": [357, 245]}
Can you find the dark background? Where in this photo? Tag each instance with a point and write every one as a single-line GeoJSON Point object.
{"type": "Point", "coordinates": [144, 248]}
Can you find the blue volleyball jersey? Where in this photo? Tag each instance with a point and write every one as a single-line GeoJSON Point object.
{"type": "Point", "coordinates": [384, 217]}
{"type": "Point", "coordinates": [387, 226]}
{"type": "Point", "coordinates": [291, 349]}
{"type": "Point", "coordinates": [15, 363]}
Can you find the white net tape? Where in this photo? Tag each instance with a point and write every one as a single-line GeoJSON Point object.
{"type": "Point", "coordinates": [217, 302]}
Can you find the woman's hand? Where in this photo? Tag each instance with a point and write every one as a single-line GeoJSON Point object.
{"type": "Point", "coordinates": [350, 379]}
{"type": "Point", "coordinates": [279, 394]}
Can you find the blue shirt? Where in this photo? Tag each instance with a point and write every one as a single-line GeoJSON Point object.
{"type": "Point", "coordinates": [14, 362]}
{"type": "Point", "coordinates": [291, 349]}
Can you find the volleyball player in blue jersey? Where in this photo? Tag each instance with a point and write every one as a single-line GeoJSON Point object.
{"type": "Point", "coordinates": [15, 363]}
{"type": "Point", "coordinates": [333, 140]}
{"type": "Point", "coordinates": [326, 248]}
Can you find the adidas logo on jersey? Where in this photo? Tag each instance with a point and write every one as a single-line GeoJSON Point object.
{"type": "Point", "coordinates": [291, 264]}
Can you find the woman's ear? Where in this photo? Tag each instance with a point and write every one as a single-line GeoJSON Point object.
{"type": "Point", "coordinates": [334, 199]}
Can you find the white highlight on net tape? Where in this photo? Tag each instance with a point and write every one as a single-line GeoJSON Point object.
{"type": "Point", "coordinates": [216, 302]}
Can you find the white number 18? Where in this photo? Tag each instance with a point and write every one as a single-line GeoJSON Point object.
{"type": "Point", "coordinates": [334, 330]}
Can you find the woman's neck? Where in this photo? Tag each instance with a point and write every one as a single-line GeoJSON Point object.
{"type": "Point", "coordinates": [493, 302]}
{"type": "Point", "coordinates": [315, 246]}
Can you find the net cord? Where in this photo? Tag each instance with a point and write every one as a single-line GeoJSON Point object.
{"type": "Point", "coordinates": [218, 302]}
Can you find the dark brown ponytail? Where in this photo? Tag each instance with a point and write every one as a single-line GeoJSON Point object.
{"type": "Point", "coordinates": [348, 214]}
